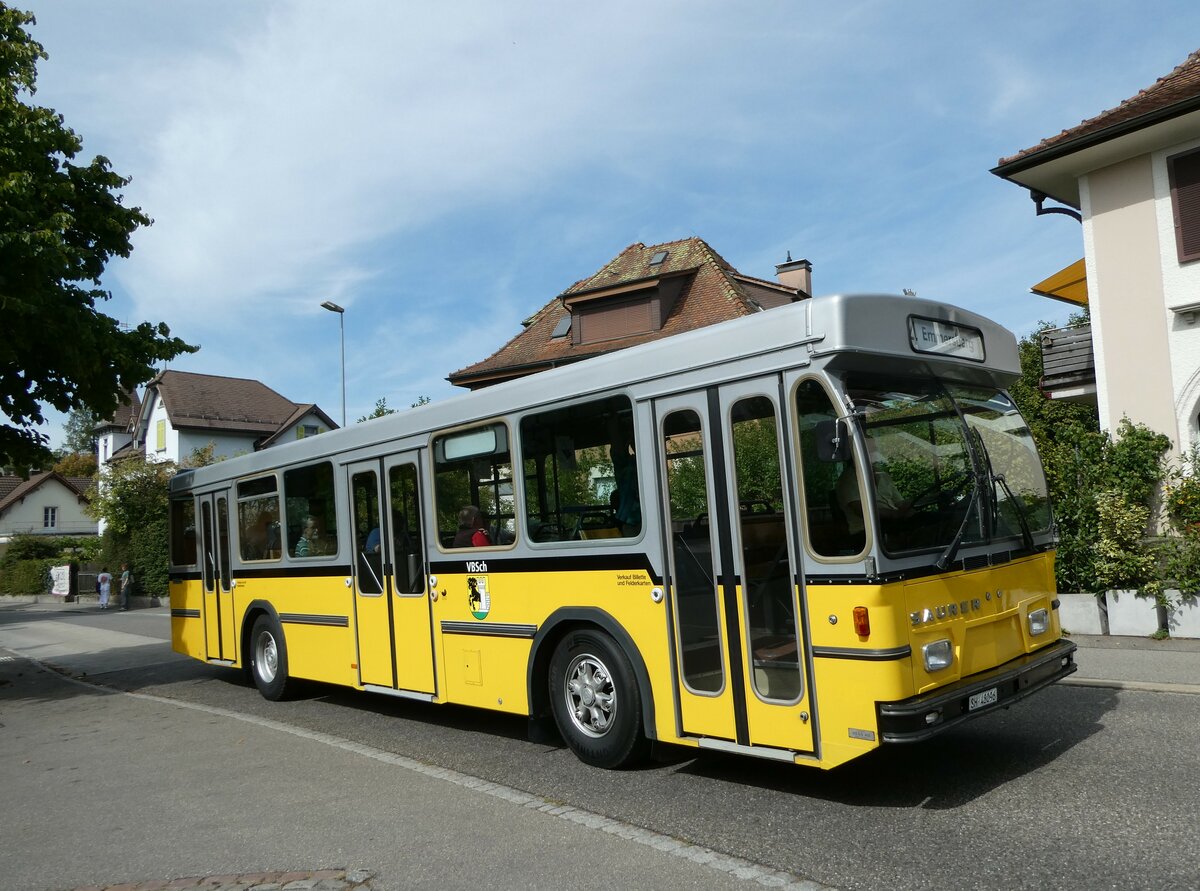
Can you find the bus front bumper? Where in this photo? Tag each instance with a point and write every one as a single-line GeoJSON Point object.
{"type": "Point", "coordinates": [928, 714]}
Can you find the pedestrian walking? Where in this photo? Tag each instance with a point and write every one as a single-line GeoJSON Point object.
{"type": "Point", "coordinates": [104, 581]}
{"type": "Point", "coordinates": [126, 585]}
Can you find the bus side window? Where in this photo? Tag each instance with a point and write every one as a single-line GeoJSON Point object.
{"type": "Point", "coordinates": [832, 491]}
{"type": "Point", "coordinates": [310, 511]}
{"type": "Point", "coordinates": [581, 473]}
{"type": "Point", "coordinates": [473, 469]}
{"type": "Point", "coordinates": [258, 519]}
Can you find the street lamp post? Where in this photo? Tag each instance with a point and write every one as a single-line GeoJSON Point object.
{"type": "Point", "coordinates": [341, 312]}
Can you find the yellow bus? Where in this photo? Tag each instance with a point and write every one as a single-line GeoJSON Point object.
{"type": "Point", "coordinates": [799, 535]}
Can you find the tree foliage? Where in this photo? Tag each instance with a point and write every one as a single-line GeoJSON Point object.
{"type": "Point", "coordinates": [76, 464]}
{"type": "Point", "coordinates": [79, 431]}
{"type": "Point", "coordinates": [1104, 487]}
{"type": "Point", "coordinates": [60, 223]}
{"type": "Point", "coordinates": [381, 410]}
{"type": "Point", "coordinates": [133, 502]}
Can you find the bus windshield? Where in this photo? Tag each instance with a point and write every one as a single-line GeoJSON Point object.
{"type": "Point", "coordinates": [951, 465]}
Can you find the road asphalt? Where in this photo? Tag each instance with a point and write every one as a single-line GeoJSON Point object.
{"type": "Point", "coordinates": [106, 789]}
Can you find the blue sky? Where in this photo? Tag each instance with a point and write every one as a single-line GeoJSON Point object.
{"type": "Point", "coordinates": [442, 170]}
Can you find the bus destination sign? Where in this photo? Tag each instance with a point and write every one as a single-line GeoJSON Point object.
{"type": "Point", "coordinates": [945, 338]}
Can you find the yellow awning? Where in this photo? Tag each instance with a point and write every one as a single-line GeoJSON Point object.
{"type": "Point", "coordinates": [1068, 284]}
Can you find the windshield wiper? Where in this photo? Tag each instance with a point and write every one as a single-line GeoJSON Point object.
{"type": "Point", "coordinates": [1026, 534]}
{"type": "Point", "coordinates": [952, 548]}
{"type": "Point", "coordinates": [1022, 518]}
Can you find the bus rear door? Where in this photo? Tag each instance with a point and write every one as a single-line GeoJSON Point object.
{"type": "Point", "coordinates": [740, 657]}
{"type": "Point", "coordinates": [220, 633]}
{"type": "Point", "coordinates": [395, 642]}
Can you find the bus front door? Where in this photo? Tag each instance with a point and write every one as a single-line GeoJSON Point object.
{"type": "Point", "coordinates": [740, 657]}
{"type": "Point", "coordinates": [394, 631]}
{"type": "Point", "coordinates": [220, 634]}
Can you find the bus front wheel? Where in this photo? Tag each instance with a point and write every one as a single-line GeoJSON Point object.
{"type": "Point", "coordinates": [268, 655]}
{"type": "Point", "coordinates": [595, 700]}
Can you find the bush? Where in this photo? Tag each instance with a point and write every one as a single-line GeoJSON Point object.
{"type": "Point", "coordinates": [26, 576]}
{"type": "Point", "coordinates": [148, 557]}
{"type": "Point", "coordinates": [1104, 491]}
{"type": "Point", "coordinates": [30, 547]}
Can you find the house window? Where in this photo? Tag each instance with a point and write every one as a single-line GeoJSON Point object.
{"type": "Point", "coordinates": [160, 436]}
{"type": "Point", "coordinates": [1184, 174]}
{"type": "Point", "coordinates": [307, 430]}
{"type": "Point", "coordinates": [49, 517]}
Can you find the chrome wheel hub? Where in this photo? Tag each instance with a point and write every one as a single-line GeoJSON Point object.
{"type": "Point", "coordinates": [266, 657]}
{"type": "Point", "coordinates": [590, 695]}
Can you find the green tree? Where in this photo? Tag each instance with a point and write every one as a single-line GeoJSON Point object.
{"type": "Point", "coordinates": [133, 502]}
{"type": "Point", "coordinates": [381, 410]}
{"type": "Point", "coordinates": [79, 431]}
{"type": "Point", "coordinates": [60, 223]}
{"type": "Point", "coordinates": [76, 464]}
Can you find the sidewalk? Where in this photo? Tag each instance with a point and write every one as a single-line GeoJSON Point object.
{"type": "Point", "coordinates": [1137, 663]}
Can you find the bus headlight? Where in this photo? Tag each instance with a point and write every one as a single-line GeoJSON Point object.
{"type": "Point", "coordinates": [938, 655]}
{"type": "Point", "coordinates": [1039, 621]}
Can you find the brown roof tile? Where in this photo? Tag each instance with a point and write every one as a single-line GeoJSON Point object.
{"type": "Point", "coordinates": [713, 293]}
{"type": "Point", "coordinates": [206, 401]}
{"type": "Point", "coordinates": [13, 488]}
{"type": "Point", "coordinates": [125, 414]}
{"type": "Point", "coordinates": [1179, 88]}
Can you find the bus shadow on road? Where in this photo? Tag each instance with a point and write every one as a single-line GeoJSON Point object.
{"type": "Point", "coordinates": [949, 771]}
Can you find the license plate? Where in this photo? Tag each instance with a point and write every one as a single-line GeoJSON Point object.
{"type": "Point", "coordinates": [979, 700]}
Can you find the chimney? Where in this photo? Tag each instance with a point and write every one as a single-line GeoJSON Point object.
{"type": "Point", "coordinates": [795, 274]}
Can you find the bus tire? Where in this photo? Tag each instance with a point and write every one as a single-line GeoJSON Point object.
{"type": "Point", "coordinates": [595, 700]}
{"type": "Point", "coordinates": [268, 658]}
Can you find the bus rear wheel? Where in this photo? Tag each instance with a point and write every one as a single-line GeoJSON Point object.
{"type": "Point", "coordinates": [595, 700]}
{"type": "Point", "coordinates": [268, 658]}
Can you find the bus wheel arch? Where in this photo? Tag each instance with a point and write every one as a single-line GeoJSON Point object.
{"type": "Point", "coordinates": [593, 626]}
{"type": "Point", "coordinates": [264, 650]}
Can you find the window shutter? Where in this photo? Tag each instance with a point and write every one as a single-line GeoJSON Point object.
{"type": "Point", "coordinates": [613, 320]}
{"type": "Point", "coordinates": [160, 436]}
{"type": "Point", "coordinates": [1184, 174]}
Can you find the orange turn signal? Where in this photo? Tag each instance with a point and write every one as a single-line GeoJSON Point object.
{"type": "Point", "coordinates": [862, 621]}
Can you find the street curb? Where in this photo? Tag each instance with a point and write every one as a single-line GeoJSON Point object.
{"type": "Point", "coordinates": [1140, 686]}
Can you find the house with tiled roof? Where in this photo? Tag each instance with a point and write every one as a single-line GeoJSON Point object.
{"type": "Point", "coordinates": [643, 294]}
{"type": "Point", "coordinates": [1131, 176]}
{"type": "Point", "coordinates": [116, 433]}
{"type": "Point", "coordinates": [45, 504]}
{"type": "Point", "coordinates": [181, 412]}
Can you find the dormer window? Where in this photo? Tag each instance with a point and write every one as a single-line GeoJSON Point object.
{"type": "Point", "coordinates": [627, 310]}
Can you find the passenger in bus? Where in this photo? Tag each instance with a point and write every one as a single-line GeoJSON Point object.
{"type": "Point", "coordinates": [471, 533]}
{"type": "Point", "coordinates": [624, 461]}
{"type": "Point", "coordinates": [312, 541]}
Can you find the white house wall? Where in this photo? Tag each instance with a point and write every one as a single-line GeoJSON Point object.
{"type": "Point", "coordinates": [158, 412]}
{"type": "Point", "coordinates": [1181, 287]}
{"type": "Point", "coordinates": [309, 420]}
{"type": "Point", "coordinates": [27, 515]}
{"type": "Point", "coordinates": [1134, 376]}
{"type": "Point", "coordinates": [225, 445]}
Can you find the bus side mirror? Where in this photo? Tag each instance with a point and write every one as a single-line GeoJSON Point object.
{"type": "Point", "coordinates": [833, 441]}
